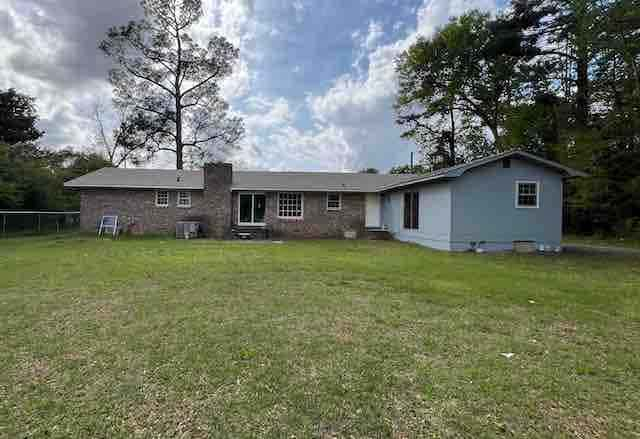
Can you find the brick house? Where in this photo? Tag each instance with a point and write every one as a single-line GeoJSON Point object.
{"type": "Point", "coordinates": [492, 202]}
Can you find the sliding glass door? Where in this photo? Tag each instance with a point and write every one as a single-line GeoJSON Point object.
{"type": "Point", "coordinates": [251, 209]}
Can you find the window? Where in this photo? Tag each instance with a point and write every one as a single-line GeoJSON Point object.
{"type": "Point", "coordinates": [162, 198]}
{"type": "Point", "coordinates": [334, 201]}
{"type": "Point", "coordinates": [411, 210]}
{"type": "Point", "coordinates": [290, 205]}
{"type": "Point", "coordinates": [527, 194]}
{"type": "Point", "coordinates": [184, 199]}
{"type": "Point", "coordinates": [251, 208]}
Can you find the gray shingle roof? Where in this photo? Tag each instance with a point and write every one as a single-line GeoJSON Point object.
{"type": "Point", "coordinates": [290, 181]}
{"type": "Point", "coordinates": [138, 179]}
{"type": "Point", "coordinates": [458, 170]}
{"type": "Point", "coordinates": [314, 181]}
{"type": "Point", "coordinates": [242, 180]}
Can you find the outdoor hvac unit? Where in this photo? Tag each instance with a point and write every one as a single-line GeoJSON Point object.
{"type": "Point", "coordinates": [524, 246]}
{"type": "Point", "coordinates": [187, 229]}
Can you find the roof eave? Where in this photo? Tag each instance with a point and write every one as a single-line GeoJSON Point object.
{"type": "Point", "coordinates": [567, 171]}
{"type": "Point", "coordinates": [327, 189]}
{"type": "Point", "coordinates": [106, 186]}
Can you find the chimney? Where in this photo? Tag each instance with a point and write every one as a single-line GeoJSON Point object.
{"type": "Point", "coordinates": [217, 175]}
{"type": "Point", "coordinates": [217, 199]}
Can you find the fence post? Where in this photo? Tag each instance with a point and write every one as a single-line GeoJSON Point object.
{"type": "Point", "coordinates": [38, 223]}
{"type": "Point", "coordinates": [4, 225]}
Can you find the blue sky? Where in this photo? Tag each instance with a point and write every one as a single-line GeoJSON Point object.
{"type": "Point", "coordinates": [315, 82]}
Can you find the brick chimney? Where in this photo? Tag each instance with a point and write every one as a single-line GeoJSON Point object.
{"type": "Point", "coordinates": [217, 197]}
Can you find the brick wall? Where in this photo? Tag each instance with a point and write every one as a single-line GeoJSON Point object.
{"type": "Point", "coordinates": [217, 208]}
{"type": "Point", "coordinates": [212, 206]}
{"type": "Point", "coordinates": [138, 206]}
{"type": "Point", "coordinates": [317, 222]}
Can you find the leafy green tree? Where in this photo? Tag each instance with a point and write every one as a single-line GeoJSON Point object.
{"type": "Point", "coordinates": [171, 83]}
{"type": "Point", "coordinates": [566, 35]}
{"type": "Point", "coordinates": [18, 118]}
{"type": "Point", "coordinates": [456, 84]}
{"type": "Point", "coordinates": [9, 194]}
{"type": "Point", "coordinates": [408, 169]}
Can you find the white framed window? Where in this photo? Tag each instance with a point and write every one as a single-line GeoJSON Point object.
{"type": "Point", "coordinates": [184, 199]}
{"type": "Point", "coordinates": [334, 201]}
{"type": "Point", "coordinates": [162, 198]}
{"type": "Point", "coordinates": [290, 205]}
{"type": "Point", "coordinates": [412, 210]}
{"type": "Point", "coordinates": [527, 194]}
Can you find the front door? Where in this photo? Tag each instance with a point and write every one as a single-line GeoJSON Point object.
{"type": "Point", "coordinates": [251, 209]}
{"type": "Point", "coordinates": [373, 211]}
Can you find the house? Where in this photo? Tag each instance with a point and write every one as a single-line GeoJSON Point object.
{"type": "Point", "coordinates": [490, 203]}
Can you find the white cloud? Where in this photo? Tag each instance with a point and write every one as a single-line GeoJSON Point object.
{"type": "Point", "coordinates": [374, 34]}
{"type": "Point", "coordinates": [272, 142]}
{"type": "Point", "coordinates": [233, 19]}
{"type": "Point", "coordinates": [265, 113]}
{"type": "Point", "coordinates": [360, 104]}
{"type": "Point", "coordinates": [291, 149]}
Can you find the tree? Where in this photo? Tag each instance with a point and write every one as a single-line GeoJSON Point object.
{"type": "Point", "coordinates": [456, 84]}
{"type": "Point", "coordinates": [120, 136]}
{"type": "Point", "coordinates": [408, 169]}
{"type": "Point", "coordinates": [369, 171]}
{"type": "Point", "coordinates": [171, 84]}
{"type": "Point", "coordinates": [566, 34]}
{"type": "Point", "coordinates": [18, 118]}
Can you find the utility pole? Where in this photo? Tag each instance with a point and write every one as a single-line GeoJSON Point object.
{"type": "Point", "coordinates": [411, 162]}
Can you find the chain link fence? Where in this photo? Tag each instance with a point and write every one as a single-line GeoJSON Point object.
{"type": "Point", "coordinates": [22, 223]}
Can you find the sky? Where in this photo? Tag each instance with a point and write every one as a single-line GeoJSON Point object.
{"type": "Point", "coordinates": [315, 82]}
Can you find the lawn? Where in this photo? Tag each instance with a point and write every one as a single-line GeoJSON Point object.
{"type": "Point", "coordinates": [165, 338]}
{"type": "Point", "coordinates": [603, 241]}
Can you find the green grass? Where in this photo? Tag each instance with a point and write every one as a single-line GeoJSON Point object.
{"type": "Point", "coordinates": [603, 241]}
{"type": "Point", "coordinates": [165, 338]}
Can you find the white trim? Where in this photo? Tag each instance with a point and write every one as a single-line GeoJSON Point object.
{"type": "Point", "coordinates": [518, 183]}
{"type": "Point", "coordinates": [168, 198]}
{"type": "Point", "coordinates": [295, 218]}
{"type": "Point", "coordinates": [334, 209]}
{"type": "Point", "coordinates": [253, 206]}
{"type": "Point", "coordinates": [183, 206]}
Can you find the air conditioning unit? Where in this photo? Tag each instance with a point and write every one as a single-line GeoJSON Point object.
{"type": "Point", "coordinates": [188, 229]}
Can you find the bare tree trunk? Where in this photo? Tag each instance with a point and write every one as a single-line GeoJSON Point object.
{"type": "Point", "coordinates": [452, 139]}
{"type": "Point", "coordinates": [179, 160]}
{"type": "Point", "coordinates": [496, 136]}
{"type": "Point", "coordinates": [582, 95]}
{"type": "Point", "coordinates": [179, 145]}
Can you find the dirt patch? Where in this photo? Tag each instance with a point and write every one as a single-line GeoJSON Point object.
{"type": "Point", "coordinates": [29, 370]}
{"type": "Point", "coordinates": [565, 330]}
{"type": "Point", "coordinates": [343, 330]}
{"type": "Point", "coordinates": [161, 417]}
{"type": "Point", "coordinates": [585, 425]}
